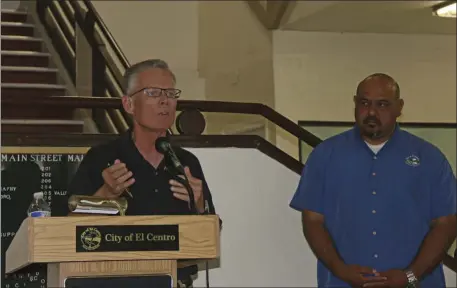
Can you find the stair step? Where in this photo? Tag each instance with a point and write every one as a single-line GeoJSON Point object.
{"type": "Point", "coordinates": [39, 75]}
{"type": "Point", "coordinates": [25, 90]}
{"type": "Point", "coordinates": [21, 43]}
{"type": "Point", "coordinates": [16, 24]}
{"type": "Point", "coordinates": [33, 86]}
{"type": "Point", "coordinates": [25, 58]}
{"type": "Point", "coordinates": [41, 126]}
{"type": "Point", "coordinates": [10, 109]}
{"type": "Point", "coordinates": [35, 112]}
{"type": "Point", "coordinates": [25, 74]}
{"type": "Point", "coordinates": [42, 122]}
{"type": "Point", "coordinates": [28, 68]}
{"type": "Point", "coordinates": [13, 16]}
{"type": "Point", "coordinates": [17, 28]}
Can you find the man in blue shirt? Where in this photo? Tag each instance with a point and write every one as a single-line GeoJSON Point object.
{"type": "Point", "coordinates": [378, 203]}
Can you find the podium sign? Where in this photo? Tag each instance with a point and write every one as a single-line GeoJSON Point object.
{"type": "Point", "coordinates": [127, 238]}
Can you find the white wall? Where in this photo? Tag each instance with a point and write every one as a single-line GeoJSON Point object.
{"type": "Point", "coordinates": [158, 29]}
{"type": "Point", "coordinates": [262, 244]}
{"type": "Point", "coordinates": [214, 56]}
{"type": "Point", "coordinates": [316, 74]}
{"type": "Point", "coordinates": [154, 29]}
{"type": "Point", "coordinates": [235, 59]}
{"type": "Point", "coordinates": [451, 278]}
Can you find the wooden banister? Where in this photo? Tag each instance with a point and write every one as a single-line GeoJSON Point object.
{"type": "Point", "coordinates": [202, 106]}
{"type": "Point", "coordinates": [450, 262]}
{"type": "Point", "coordinates": [109, 37]}
{"type": "Point", "coordinates": [86, 17]}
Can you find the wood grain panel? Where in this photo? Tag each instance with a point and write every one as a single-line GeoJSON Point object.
{"type": "Point", "coordinates": [53, 239]}
{"type": "Point", "coordinates": [57, 273]}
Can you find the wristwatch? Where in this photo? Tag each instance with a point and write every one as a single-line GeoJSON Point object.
{"type": "Point", "coordinates": [412, 279]}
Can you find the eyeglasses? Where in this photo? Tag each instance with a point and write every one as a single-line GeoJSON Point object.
{"type": "Point", "coordinates": [156, 92]}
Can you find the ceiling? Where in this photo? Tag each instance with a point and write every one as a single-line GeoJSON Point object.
{"type": "Point", "coordinates": [405, 17]}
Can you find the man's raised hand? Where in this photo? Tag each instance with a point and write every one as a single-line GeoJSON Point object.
{"type": "Point", "coordinates": [117, 179]}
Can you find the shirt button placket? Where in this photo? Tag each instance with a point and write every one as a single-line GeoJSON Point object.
{"type": "Point", "coordinates": [373, 211]}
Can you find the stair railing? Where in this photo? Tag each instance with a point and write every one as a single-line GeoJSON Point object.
{"type": "Point", "coordinates": [70, 23]}
{"type": "Point", "coordinates": [107, 74]}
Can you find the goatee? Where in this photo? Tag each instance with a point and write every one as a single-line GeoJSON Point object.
{"type": "Point", "coordinates": [372, 135]}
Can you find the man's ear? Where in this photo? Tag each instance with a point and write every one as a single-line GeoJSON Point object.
{"type": "Point", "coordinates": [400, 107]}
{"type": "Point", "coordinates": [127, 104]}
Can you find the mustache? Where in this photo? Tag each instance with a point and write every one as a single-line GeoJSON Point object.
{"type": "Point", "coordinates": [371, 119]}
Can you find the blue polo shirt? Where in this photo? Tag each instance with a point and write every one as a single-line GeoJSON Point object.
{"type": "Point", "coordinates": [377, 207]}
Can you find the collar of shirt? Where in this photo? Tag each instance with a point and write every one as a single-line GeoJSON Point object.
{"type": "Point", "coordinates": [390, 144]}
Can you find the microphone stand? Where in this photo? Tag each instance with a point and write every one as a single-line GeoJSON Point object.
{"type": "Point", "coordinates": [193, 208]}
{"type": "Point", "coordinates": [179, 168]}
{"type": "Point", "coordinates": [185, 183]}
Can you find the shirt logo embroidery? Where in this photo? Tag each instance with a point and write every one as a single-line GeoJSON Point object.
{"type": "Point", "coordinates": [412, 161]}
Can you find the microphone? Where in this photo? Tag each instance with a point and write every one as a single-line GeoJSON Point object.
{"type": "Point", "coordinates": [163, 146]}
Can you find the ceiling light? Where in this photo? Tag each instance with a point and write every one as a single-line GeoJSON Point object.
{"type": "Point", "coordinates": [446, 9]}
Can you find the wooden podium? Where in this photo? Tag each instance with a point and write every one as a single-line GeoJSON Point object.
{"type": "Point", "coordinates": [110, 246]}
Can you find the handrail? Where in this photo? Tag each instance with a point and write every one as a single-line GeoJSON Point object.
{"type": "Point", "coordinates": [202, 106]}
{"type": "Point", "coordinates": [107, 34]}
{"type": "Point", "coordinates": [188, 141]}
{"type": "Point", "coordinates": [87, 18]}
{"type": "Point", "coordinates": [450, 262]}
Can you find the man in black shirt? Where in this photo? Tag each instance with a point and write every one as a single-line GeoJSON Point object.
{"type": "Point", "coordinates": [131, 163]}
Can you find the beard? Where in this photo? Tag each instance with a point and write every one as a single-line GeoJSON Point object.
{"type": "Point", "coordinates": [371, 127]}
{"type": "Point", "coordinates": [372, 134]}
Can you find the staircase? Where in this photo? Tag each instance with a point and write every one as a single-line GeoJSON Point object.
{"type": "Point", "coordinates": [28, 72]}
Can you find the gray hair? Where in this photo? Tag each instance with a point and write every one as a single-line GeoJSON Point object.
{"type": "Point", "coordinates": [130, 75]}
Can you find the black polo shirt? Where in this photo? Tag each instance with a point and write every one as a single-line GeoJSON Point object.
{"type": "Point", "coordinates": [151, 190]}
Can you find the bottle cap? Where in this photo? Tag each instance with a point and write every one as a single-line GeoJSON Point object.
{"type": "Point", "coordinates": [38, 195]}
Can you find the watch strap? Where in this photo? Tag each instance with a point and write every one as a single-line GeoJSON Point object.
{"type": "Point", "coordinates": [412, 279]}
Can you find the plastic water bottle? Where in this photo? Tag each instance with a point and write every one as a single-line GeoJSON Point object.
{"type": "Point", "coordinates": [39, 207]}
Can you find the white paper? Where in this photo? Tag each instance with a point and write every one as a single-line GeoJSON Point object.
{"type": "Point", "coordinates": [95, 210]}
